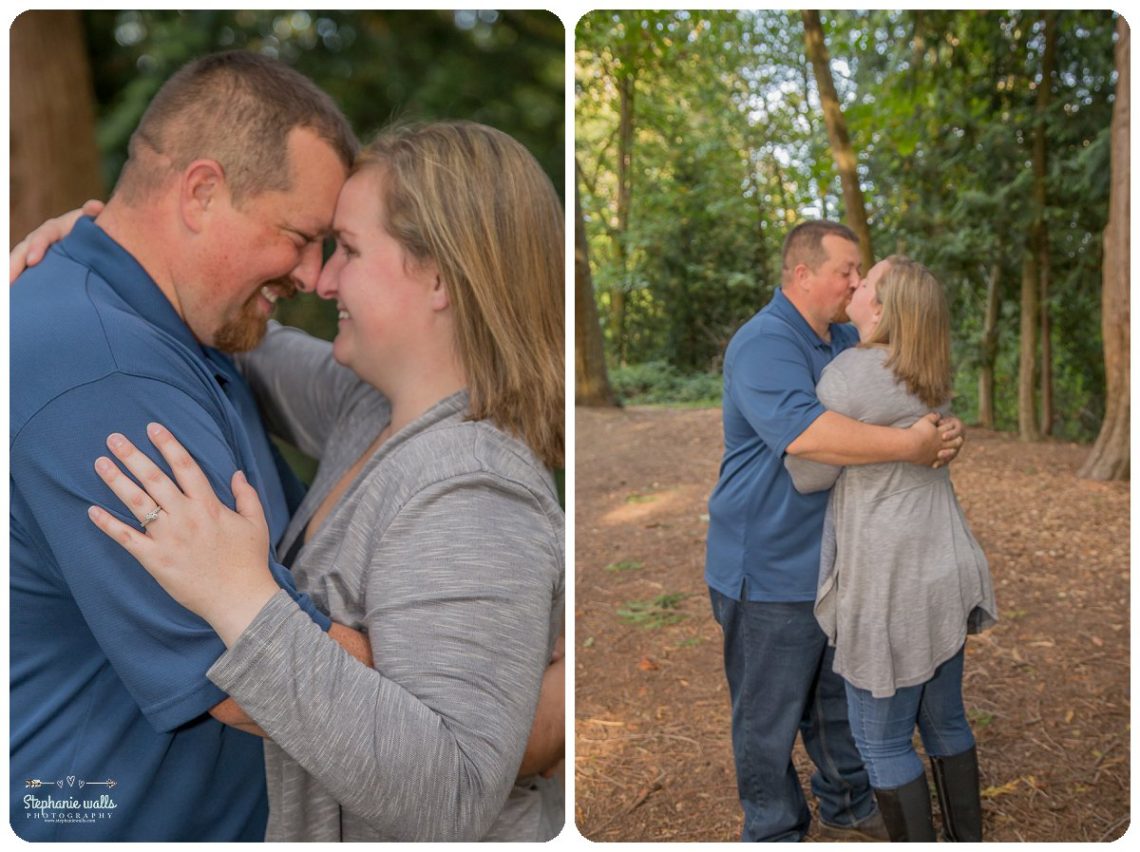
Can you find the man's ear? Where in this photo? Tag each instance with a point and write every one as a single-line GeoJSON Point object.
{"type": "Point", "coordinates": [203, 187]}
{"type": "Point", "coordinates": [801, 275]}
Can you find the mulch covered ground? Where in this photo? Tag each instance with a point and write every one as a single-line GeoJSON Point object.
{"type": "Point", "coordinates": [1047, 689]}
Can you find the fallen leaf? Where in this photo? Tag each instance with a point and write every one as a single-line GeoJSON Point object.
{"type": "Point", "coordinates": [1003, 790]}
{"type": "Point", "coordinates": [647, 665]}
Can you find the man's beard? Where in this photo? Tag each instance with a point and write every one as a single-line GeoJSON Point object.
{"type": "Point", "coordinates": [246, 330]}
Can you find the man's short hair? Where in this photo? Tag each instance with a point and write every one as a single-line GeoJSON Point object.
{"type": "Point", "coordinates": [236, 108]}
{"type": "Point", "coordinates": [804, 244]}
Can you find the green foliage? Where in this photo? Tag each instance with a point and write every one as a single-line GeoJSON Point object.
{"type": "Point", "coordinates": [688, 261]}
{"type": "Point", "coordinates": [659, 382]}
{"type": "Point", "coordinates": [624, 565]}
{"type": "Point", "coordinates": [505, 69]}
{"type": "Point", "coordinates": [980, 718]}
{"type": "Point", "coordinates": [637, 497]}
{"type": "Point", "coordinates": [659, 612]}
{"type": "Point", "coordinates": [730, 150]}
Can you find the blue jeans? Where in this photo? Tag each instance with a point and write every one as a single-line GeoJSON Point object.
{"type": "Point", "coordinates": [884, 727]}
{"type": "Point", "coordinates": [780, 681]}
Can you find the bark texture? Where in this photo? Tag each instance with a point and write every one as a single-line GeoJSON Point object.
{"type": "Point", "coordinates": [1110, 456]}
{"type": "Point", "coordinates": [54, 159]}
{"type": "Point", "coordinates": [837, 134]}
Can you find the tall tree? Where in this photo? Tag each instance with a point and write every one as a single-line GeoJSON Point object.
{"type": "Point", "coordinates": [626, 84]}
{"type": "Point", "coordinates": [986, 418]}
{"type": "Point", "coordinates": [837, 133]}
{"type": "Point", "coordinates": [618, 44]}
{"type": "Point", "coordinates": [591, 383]}
{"type": "Point", "coordinates": [54, 159]}
{"type": "Point", "coordinates": [1040, 229]}
{"type": "Point", "coordinates": [1027, 428]}
{"type": "Point", "coordinates": [1110, 457]}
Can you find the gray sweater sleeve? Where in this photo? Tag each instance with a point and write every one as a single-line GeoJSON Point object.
{"type": "Point", "coordinates": [300, 389]}
{"type": "Point", "coordinates": [459, 597]}
{"type": "Point", "coordinates": [809, 476]}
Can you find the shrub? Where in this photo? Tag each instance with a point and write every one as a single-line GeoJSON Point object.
{"type": "Point", "coordinates": [660, 383]}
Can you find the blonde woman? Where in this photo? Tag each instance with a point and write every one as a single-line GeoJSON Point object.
{"type": "Point", "coordinates": [902, 579]}
{"type": "Point", "coordinates": [433, 522]}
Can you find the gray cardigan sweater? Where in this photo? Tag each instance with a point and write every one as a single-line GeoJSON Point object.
{"type": "Point", "coordinates": [901, 577]}
{"type": "Point", "coordinates": [448, 550]}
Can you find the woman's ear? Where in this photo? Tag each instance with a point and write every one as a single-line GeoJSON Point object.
{"type": "Point", "coordinates": [440, 298]}
{"type": "Point", "coordinates": [202, 188]}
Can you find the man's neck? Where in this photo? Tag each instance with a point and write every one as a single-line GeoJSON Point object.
{"type": "Point", "coordinates": [822, 327]}
{"type": "Point", "coordinates": [140, 231]}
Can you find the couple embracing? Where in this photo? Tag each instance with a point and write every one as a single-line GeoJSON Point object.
{"type": "Point", "coordinates": [840, 565]}
{"type": "Point", "coordinates": [187, 623]}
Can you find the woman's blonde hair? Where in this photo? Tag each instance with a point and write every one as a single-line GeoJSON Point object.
{"type": "Point", "coordinates": [915, 327]}
{"type": "Point", "coordinates": [474, 201]}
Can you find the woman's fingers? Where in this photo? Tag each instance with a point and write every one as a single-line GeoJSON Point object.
{"type": "Point", "coordinates": [155, 483]}
{"type": "Point", "coordinates": [17, 260]}
{"type": "Point", "coordinates": [138, 502]}
{"type": "Point", "coordinates": [191, 479]}
{"type": "Point", "coordinates": [132, 540]}
{"type": "Point", "coordinates": [31, 250]}
{"type": "Point", "coordinates": [246, 501]}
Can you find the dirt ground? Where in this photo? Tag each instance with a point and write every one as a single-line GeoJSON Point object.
{"type": "Point", "coordinates": [1047, 689]}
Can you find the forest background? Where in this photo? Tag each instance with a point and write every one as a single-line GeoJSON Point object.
{"type": "Point", "coordinates": [978, 142]}
{"type": "Point", "coordinates": [80, 82]}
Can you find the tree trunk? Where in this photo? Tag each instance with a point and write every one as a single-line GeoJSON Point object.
{"type": "Point", "coordinates": [986, 417]}
{"type": "Point", "coordinates": [591, 383]}
{"type": "Point", "coordinates": [54, 160]}
{"type": "Point", "coordinates": [837, 134]}
{"type": "Point", "coordinates": [917, 47]}
{"type": "Point", "coordinates": [625, 195]}
{"type": "Point", "coordinates": [1110, 458]}
{"type": "Point", "coordinates": [1040, 228]}
{"type": "Point", "coordinates": [821, 181]}
{"type": "Point", "coordinates": [1027, 371]}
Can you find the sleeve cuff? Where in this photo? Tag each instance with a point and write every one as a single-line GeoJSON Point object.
{"type": "Point", "coordinates": [306, 605]}
{"type": "Point", "coordinates": [255, 641]}
{"type": "Point", "coordinates": [809, 417]}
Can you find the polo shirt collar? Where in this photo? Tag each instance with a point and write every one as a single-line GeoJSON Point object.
{"type": "Point", "coordinates": [91, 246]}
{"type": "Point", "coordinates": [782, 306]}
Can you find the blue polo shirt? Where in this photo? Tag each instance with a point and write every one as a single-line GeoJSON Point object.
{"type": "Point", "coordinates": [763, 542]}
{"type": "Point", "coordinates": [110, 737]}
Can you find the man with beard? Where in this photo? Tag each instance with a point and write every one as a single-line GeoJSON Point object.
{"type": "Point", "coordinates": [764, 542]}
{"type": "Point", "coordinates": [116, 733]}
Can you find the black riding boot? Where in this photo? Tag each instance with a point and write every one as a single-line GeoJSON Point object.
{"type": "Point", "coordinates": [906, 812]}
{"type": "Point", "coordinates": [956, 780]}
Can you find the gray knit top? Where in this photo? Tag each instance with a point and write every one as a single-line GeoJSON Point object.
{"type": "Point", "coordinates": [902, 579]}
{"type": "Point", "coordinates": [448, 550]}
